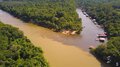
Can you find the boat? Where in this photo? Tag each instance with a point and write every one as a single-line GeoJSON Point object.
{"type": "Point", "coordinates": [102, 35]}
{"type": "Point", "coordinates": [102, 39]}
{"type": "Point", "coordinates": [95, 23]}
{"type": "Point", "coordinates": [87, 15]}
{"type": "Point", "coordinates": [94, 20]}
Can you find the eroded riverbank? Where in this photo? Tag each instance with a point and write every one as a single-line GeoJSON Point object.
{"type": "Point", "coordinates": [54, 45]}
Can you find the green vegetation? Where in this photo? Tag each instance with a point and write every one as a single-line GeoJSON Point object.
{"type": "Point", "coordinates": [107, 14]}
{"type": "Point", "coordinates": [54, 14]}
{"type": "Point", "coordinates": [17, 51]}
{"type": "Point", "coordinates": [112, 49]}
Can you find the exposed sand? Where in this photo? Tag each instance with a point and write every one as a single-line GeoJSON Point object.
{"type": "Point", "coordinates": [58, 54]}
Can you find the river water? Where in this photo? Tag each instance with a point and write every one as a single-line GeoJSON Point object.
{"type": "Point", "coordinates": [61, 50]}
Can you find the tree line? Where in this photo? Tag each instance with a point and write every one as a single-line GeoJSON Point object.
{"type": "Point", "coordinates": [54, 14]}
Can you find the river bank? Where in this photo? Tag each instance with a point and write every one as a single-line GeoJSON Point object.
{"type": "Point", "coordinates": [57, 53]}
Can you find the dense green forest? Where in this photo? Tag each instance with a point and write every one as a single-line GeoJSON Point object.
{"type": "Point", "coordinates": [110, 52]}
{"type": "Point", "coordinates": [54, 14]}
{"type": "Point", "coordinates": [107, 14]}
{"type": "Point", "coordinates": [17, 51]}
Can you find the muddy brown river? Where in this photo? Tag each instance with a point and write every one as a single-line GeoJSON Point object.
{"type": "Point", "coordinates": [61, 50]}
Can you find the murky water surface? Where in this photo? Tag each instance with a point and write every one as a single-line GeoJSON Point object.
{"type": "Point", "coordinates": [61, 50]}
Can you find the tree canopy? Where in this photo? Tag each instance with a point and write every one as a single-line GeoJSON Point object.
{"type": "Point", "coordinates": [18, 51]}
{"type": "Point", "coordinates": [54, 14]}
{"type": "Point", "coordinates": [112, 49]}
